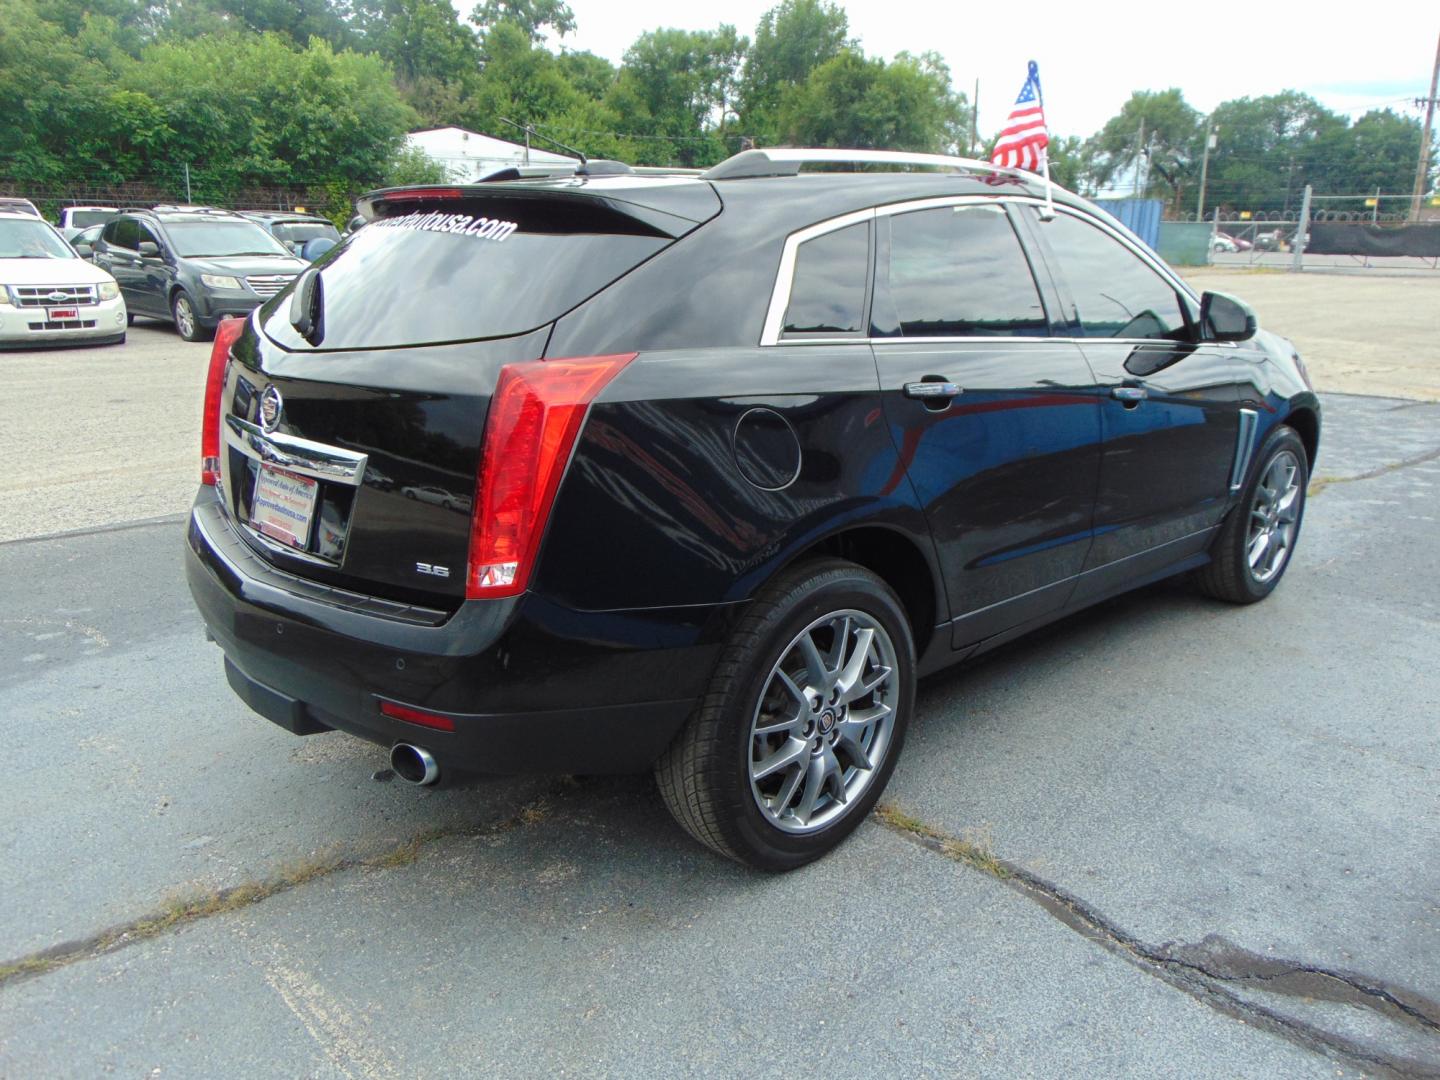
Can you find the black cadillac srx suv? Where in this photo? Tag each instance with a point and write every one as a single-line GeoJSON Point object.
{"type": "Point", "coordinates": [714, 467]}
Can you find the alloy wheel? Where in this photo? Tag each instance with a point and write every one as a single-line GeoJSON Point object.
{"type": "Point", "coordinates": [824, 721]}
{"type": "Point", "coordinates": [1273, 517]}
{"type": "Point", "coordinates": [184, 317]}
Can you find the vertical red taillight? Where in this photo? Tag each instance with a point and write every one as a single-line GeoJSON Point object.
{"type": "Point", "coordinates": [225, 335]}
{"type": "Point", "coordinates": [535, 415]}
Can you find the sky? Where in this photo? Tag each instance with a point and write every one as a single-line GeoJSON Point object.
{"type": "Point", "coordinates": [1092, 57]}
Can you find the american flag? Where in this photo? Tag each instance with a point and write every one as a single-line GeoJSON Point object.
{"type": "Point", "coordinates": [1022, 144]}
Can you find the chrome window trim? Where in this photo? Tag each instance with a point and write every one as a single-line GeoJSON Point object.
{"type": "Point", "coordinates": [785, 276]}
{"type": "Point", "coordinates": [1244, 447]}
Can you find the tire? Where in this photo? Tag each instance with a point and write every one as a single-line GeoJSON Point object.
{"type": "Point", "coordinates": [707, 776]}
{"type": "Point", "coordinates": [129, 319]}
{"type": "Point", "coordinates": [187, 323]}
{"type": "Point", "coordinates": [1231, 575]}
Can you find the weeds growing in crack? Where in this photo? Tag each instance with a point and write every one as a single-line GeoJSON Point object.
{"type": "Point", "coordinates": [973, 849]}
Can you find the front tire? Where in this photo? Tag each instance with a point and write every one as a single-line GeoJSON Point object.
{"type": "Point", "coordinates": [1255, 543]}
{"type": "Point", "coordinates": [803, 721]}
{"type": "Point", "coordinates": [187, 323]}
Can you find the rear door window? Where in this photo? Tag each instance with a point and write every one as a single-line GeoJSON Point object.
{"type": "Point", "coordinates": [126, 234]}
{"type": "Point", "coordinates": [827, 294]}
{"type": "Point", "coordinates": [1116, 294]}
{"type": "Point", "coordinates": [484, 267]}
{"type": "Point", "coordinates": [957, 271]}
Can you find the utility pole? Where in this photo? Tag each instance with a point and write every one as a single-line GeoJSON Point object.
{"type": "Point", "coordinates": [975, 120]}
{"type": "Point", "coordinates": [1205, 170]}
{"type": "Point", "coordinates": [1139, 150]}
{"type": "Point", "coordinates": [1423, 168]}
{"type": "Point", "coordinates": [1302, 233]}
{"type": "Point", "coordinates": [188, 200]}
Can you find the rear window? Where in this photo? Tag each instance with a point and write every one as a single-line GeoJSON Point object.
{"type": "Point", "coordinates": [297, 232]}
{"type": "Point", "coordinates": [82, 219]}
{"type": "Point", "coordinates": [464, 269]}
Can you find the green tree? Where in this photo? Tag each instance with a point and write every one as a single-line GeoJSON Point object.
{"type": "Point", "coordinates": [855, 101]}
{"type": "Point", "coordinates": [420, 39]}
{"type": "Point", "coordinates": [678, 86]}
{"type": "Point", "coordinates": [1071, 163]}
{"type": "Point", "coordinates": [591, 75]}
{"type": "Point", "coordinates": [792, 40]}
{"type": "Point", "coordinates": [1379, 150]}
{"type": "Point", "coordinates": [1264, 148]}
{"type": "Point", "coordinates": [520, 81]}
{"type": "Point", "coordinates": [1166, 158]}
{"type": "Point", "coordinates": [532, 16]}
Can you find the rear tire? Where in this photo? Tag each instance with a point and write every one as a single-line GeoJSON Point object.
{"type": "Point", "coordinates": [1254, 546]}
{"type": "Point", "coordinates": [816, 683]}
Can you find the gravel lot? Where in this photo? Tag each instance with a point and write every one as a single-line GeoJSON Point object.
{"type": "Point", "coordinates": [1164, 838]}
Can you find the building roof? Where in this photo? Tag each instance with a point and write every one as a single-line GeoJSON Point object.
{"type": "Point", "coordinates": [470, 155]}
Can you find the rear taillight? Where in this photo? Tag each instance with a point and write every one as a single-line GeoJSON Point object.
{"type": "Point", "coordinates": [225, 335]}
{"type": "Point", "coordinates": [535, 415]}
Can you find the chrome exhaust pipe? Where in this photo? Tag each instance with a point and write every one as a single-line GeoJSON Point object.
{"type": "Point", "coordinates": [413, 764]}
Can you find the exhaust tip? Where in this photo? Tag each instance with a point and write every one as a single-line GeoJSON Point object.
{"type": "Point", "coordinates": [414, 764]}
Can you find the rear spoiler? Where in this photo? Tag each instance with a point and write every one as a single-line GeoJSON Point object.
{"type": "Point", "coordinates": [650, 205]}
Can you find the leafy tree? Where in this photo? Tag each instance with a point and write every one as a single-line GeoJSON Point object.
{"type": "Point", "coordinates": [792, 40]}
{"type": "Point", "coordinates": [1071, 162]}
{"type": "Point", "coordinates": [1168, 156]}
{"type": "Point", "coordinates": [520, 82]}
{"type": "Point", "coordinates": [1264, 148]}
{"type": "Point", "coordinates": [591, 75]}
{"type": "Point", "coordinates": [420, 39]}
{"type": "Point", "coordinates": [678, 86]}
{"type": "Point", "coordinates": [532, 16]}
{"type": "Point", "coordinates": [1378, 151]}
{"type": "Point", "coordinates": [863, 102]}
{"type": "Point", "coordinates": [411, 165]}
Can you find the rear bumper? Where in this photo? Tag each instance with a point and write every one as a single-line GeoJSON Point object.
{"type": "Point", "coordinates": [529, 686]}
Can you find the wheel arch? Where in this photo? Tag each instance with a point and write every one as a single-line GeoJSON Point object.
{"type": "Point", "coordinates": [898, 560]}
{"type": "Point", "coordinates": [1306, 422]}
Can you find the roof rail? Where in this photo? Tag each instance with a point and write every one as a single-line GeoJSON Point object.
{"type": "Point", "coordinates": [785, 161]}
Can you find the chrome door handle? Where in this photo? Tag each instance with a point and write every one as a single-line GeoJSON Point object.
{"type": "Point", "coordinates": [929, 391]}
{"type": "Point", "coordinates": [1131, 395]}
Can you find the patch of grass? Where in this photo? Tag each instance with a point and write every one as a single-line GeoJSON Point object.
{"type": "Point", "coordinates": [972, 849]}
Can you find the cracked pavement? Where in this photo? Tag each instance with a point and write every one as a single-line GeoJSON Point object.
{"type": "Point", "coordinates": [1218, 834]}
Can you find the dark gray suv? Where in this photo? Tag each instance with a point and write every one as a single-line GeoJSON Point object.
{"type": "Point", "coordinates": [193, 266]}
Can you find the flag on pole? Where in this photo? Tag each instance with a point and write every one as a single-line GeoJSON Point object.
{"type": "Point", "coordinates": [1023, 141]}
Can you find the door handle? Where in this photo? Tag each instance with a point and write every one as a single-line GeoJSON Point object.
{"type": "Point", "coordinates": [932, 389]}
{"type": "Point", "coordinates": [1130, 395]}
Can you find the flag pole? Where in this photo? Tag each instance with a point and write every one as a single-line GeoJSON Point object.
{"type": "Point", "coordinates": [1049, 211]}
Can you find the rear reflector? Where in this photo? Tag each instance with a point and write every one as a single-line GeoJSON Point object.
{"type": "Point", "coordinates": [416, 716]}
{"type": "Point", "coordinates": [535, 415]}
{"type": "Point", "coordinates": [225, 336]}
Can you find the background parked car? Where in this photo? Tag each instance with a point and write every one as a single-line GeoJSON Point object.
{"type": "Point", "coordinates": [75, 219]}
{"type": "Point", "coordinates": [193, 266]}
{"type": "Point", "coordinates": [17, 205]}
{"type": "Point", "coordinates": [48, 294]}
{"type": "Point", "coordinates": [306, 235]}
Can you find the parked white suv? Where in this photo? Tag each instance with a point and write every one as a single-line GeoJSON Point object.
{"type": "Point", "coordinates": [75, 219]}
{"type": "Point", "coordinates": [48, 294]}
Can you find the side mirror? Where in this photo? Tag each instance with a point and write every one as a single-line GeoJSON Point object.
{"type": "Point", "coordinates": [148, 248]}
{"type": "Point", "coordinates": [1226, 318]}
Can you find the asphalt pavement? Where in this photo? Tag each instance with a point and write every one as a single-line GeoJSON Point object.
{"type": "Point", "coordinates": [1166, 837]}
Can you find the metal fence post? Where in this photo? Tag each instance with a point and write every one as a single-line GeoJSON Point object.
{"type": "Point", "coordinates": [1302, 233]}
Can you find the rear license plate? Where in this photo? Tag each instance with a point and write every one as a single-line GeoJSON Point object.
{"type": "Point", "coordinates": [283, 505]}
{"type": "Point", "coordinates": [59, 313]}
